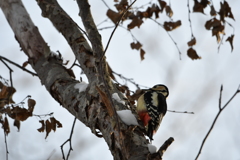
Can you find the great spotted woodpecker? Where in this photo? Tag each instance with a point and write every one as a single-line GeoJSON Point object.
{"type": "Point", "coordinates": [151, 107]}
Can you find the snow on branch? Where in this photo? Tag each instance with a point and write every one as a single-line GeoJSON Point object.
{"type": "Point", "coordinates": [117, 98]}
{"type": "Point", "coordinates": [127, 117]}
{"type": "Point", "coordinates": [81, 86]}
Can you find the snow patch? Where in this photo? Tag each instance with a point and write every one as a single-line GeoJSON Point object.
{"type": "Point", "coordinates": [152, 148]}
{"type": "Point", "coordinates": [117, 98]}
{"type": "Point", "coordinates": [127, 117]}
{"type": "Point", "coordinates": [81, 86]}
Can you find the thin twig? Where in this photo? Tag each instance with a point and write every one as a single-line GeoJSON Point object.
{"type": "Point", "coordinates": [129, 80]}
{"type": "Point", "coordinates": [180, 112]}
{"type": "Point", "coordinates": [51, 154]}
{"type": "Point", "coordinates": [221, 42]}
{"type": "Point", "coordinates": [17, 65]}
{"type": "Point", "coordinates": [105, 28]}
{"type": "Point", "coordinates": [220, 98]}
{"type": "Point", "coordinates": [109, 40]}
{"type": "Point", "coordinates": [6, 146]}
{"type": "Point", "coordinates": [189, 19]}
{"type": "Point", "coordinates": [133, 37]}
{"type": "Point", "coordinates": [43, 115]}
{"type": "Point", "coordinates": [215, 120]}
{"type": "Point", "coordinates": [105, 4]}
{"type": "Point", "coordinates": [103, 22]}
{"type": "Point", "coordinates": [69, 140]}
{"type": "Point", "coordinates": [175, 43]}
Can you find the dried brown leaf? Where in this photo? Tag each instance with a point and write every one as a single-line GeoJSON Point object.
{"type": "Point", "coordinates": [17, 124]}
{"type": "Point", "coordinates": [204, 3]}
{"type": "Point", "coordinates": [192, 42]}
{"type": "Point", "coordinates": [31, 104]}
{"type": "Point", "coordinates": [135, 22]}
{"type": "Point", "coordinates": [19, 113]}
{"type": "Point", "coordinates": [212, 23]}
{"type": "Point", "coordinates": [53, 122]}
{"type": "Point", "coordinates": [25, 64]}
{"type": "Point", "coordinates": [162, 4]}
{"type": "Point", "coordinates": [122, 5]}
{"type": "Point", "coordinates": [230, 40]}
{"type": "Point", "coordinates": [213, 11]}
{"type": "Point", "coordinates": [155, 9]}
{"type": "Point", "coordinates": [169, 11]}
{"type": "Point", "coordinates": [114, 16]}
{"type": "Point", "coordinates": [198, 7]}
{"type": "Point", "coordinates": [6, 94]}
{"type": "Point", "coordinates": [225, 11]}
{"type": "Point", "coordinates": [59, 125]}
{"type": "Point", "coordinates": [48, 127]}
{"type": "Point", "coordinates": [142, 53]}
{"type": "Point", "coordinates": [192, 54]}
{"type": "Point", "coordinates": [136, 46]}
{"type": "Point", "coordinates": [42, 128]}
{"type": "Point", "coordinates": [6, 127]}
{"type": "Point", "coordinates": [169, 26]}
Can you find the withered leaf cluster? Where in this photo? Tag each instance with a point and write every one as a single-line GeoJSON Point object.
{"type": "Point", "coordinates": [8, 109]}
{"type": "Point", "coordinates": [6, 94]}
{"type": "Point", "coordinates": [138, 15]}
{"type": "Point", "coordinates": [49, 125]}
{"type": "Point", "coordinates": [17, 113]}
{"type": "Point", "coordinates": [216, 25]}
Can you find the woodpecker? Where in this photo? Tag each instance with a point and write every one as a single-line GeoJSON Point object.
{"type": "Point", "coordinates": [151, 108]}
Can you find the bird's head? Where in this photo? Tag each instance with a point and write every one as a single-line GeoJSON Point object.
{"type": "Point", "coordinates": [160, 88]}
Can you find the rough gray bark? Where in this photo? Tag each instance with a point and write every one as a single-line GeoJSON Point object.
{"type": "Point", "coordinates": [94, 107]}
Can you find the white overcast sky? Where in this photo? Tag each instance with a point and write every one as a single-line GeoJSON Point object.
{"type": "Point", "coordinates": [194, 86]}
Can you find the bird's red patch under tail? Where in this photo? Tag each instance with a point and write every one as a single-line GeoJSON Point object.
{"type": "Point", "coordinates": [145, 118]}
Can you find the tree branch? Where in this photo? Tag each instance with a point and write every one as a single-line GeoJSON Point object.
{"type": "Point", "coordinates": [110, 38]}
{"type": "Point", "coordinates": [90, 27]}
{"type": "Point", "coordinates": [216, 118]}
{"type": "Point", "coordinates": [70, 141]}
{"type": "Point", "coordinates": [17, 65]}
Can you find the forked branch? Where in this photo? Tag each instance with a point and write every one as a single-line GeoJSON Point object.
{"type": "Point", "coordinates": [216, 118]}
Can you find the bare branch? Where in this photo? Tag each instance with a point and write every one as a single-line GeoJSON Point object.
{"type": "Point", "coordinates": [165, 146]}
{"type": "Point", "coordinates": [90, 27]}
{"type": "Point", "coordinates": [180, 112]}
{"type": "Point", "coordinates": [6, 145]}
{"type": "Point", "coordinates": [109, 40]}
{"type": "Point", "coordinates": [70, 142]}
{"type": "Point", "coordinates": [106, 4]}
{"type": "Point", "coordinates": [129, 80]}
{"type": "Point", "coordinates": [216, 118]}
{"type": "Point", "coordinates": [17, 65]}
{"type": "Point", "coordinates": [189, 19]}
{"type": "Point", "coordinates": [175, 43]}
{"type": "Point", "coordinates": [220, 98]}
